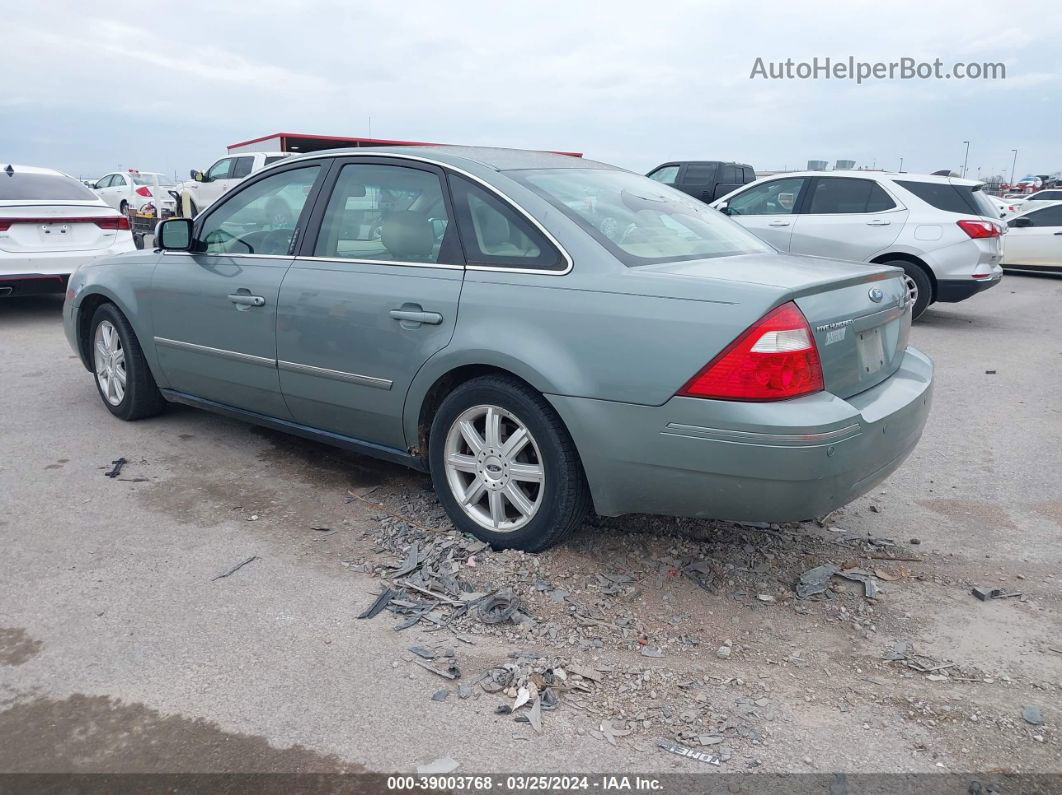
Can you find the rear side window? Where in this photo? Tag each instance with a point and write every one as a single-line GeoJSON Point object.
{"type": "Point", "coordinates": [840, 195]}
{"type": "Point", "coordinates": [42, 187]}
{"type": "Point", "coordinates": [951, 198]}
{"type": "Point", "coordinates": [1046, 196]}
{"type": "Point", "coordinates": [273, 159]}
{"type": "Point", "coordinates": [493, 233]}
{"type": "Point", "coordinates": [700, 174]}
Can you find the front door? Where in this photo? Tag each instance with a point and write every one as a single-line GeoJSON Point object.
{"type": "Point", "coordinates": [374, 296]}
{"type": "Point", "coordinates": [768, 210]}
{"type": "Point", "coordinates": [215, 309]}
{"type": "Point", "coordinates": [1036, 243]}
{"type": "Point", "coordinates": [847, 218]}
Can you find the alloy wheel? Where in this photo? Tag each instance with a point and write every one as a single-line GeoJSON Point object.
{"type": "Point", "coordinates": [494, 468]}
{"type": "Point", "coordinates": [109, 359]}
{"type": "Point", "coordinates": [912, 289]}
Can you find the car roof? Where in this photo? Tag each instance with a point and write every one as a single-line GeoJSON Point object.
{"type": "Point", "coordinates": [32, 170]}
{"type": "Point", "coordinates": [886, 175]}
{"type": "Point", "coordinates": [495, 158]}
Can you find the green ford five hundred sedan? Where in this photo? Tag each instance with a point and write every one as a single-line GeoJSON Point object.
{"type": "Point", "coordinates": [544, 334]}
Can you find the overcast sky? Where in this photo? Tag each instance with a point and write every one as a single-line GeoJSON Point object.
{"type": "Point", "coordinates": [91, 86]}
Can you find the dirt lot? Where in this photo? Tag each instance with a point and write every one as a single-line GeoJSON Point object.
{"type": "Point", "coordinates": [119, 650]}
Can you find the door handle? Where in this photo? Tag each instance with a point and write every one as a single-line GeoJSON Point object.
{"type": "Point", "coordinates": [416, 316]}
{"type": "Point", "coordinates": [779, 223]}
{"type": "Point", "coordinates": [878, 222]}
{"type": "Point", "coordinates": [245, 299]}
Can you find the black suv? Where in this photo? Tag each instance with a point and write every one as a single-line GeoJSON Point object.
{"type": "Point", "coordinates": [706, 180]}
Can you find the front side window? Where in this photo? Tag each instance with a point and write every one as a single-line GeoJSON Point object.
{"type": "Point", "coordinates": [493, 233]}
{"type": "Point", "coordinates": [1046, 196]}
{"type": "Point", "coordinates": [241, 167]}
{"type": "Point", "coordinates": [260, 219]}
{"type": "Point", "coordinates": [844, 195]}
{"type": "Point", "coordinates": [778, 197]}
{"type": "Point", "coordinates": [105, 182]}
{"type": "Point", "coordinates": [637, 220]}
{"type": "Point", "coordinates": [385, 213]}
{"type": "Point", "coordinates": [1048, 216]}
{"type": "Point", "coordinates": [221, 169]}
{"type": "Point", "coordinates": [667, 174]}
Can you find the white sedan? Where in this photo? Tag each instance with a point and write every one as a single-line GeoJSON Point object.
{"type": "Point", "coordinates": [49, 225]}
{"type": "Point", "coordinates": [125, 190]}
{"type": "Point", "coordinates": [1034, 240]}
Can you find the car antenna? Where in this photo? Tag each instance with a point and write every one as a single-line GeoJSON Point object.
{"type": "Point", "coordinates": [10, 171]}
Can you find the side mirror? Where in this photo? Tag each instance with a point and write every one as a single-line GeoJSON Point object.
{"type": "Point", "coordinates": [198, 176]}
{"type": "Point", "coordinates": [724, 208]}
{"type": "Point", "coordinates": [174, 234]}
{"type": "Point", "coordinates": [1020, 222]}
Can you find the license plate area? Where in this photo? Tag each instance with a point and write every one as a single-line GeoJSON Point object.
{"type": "Point", "coordinates": [871, 350]}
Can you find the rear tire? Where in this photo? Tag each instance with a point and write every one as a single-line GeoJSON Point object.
{"type": "Point", "coordinates": [919, 285]}
{"type": "Point", "coordinates": [123, 380]}
{"type": "Point", "coordinates": [518, 486]}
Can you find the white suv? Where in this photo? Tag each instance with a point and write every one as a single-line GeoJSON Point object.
{"type": "Point", "coordinates": [942, 231]}
{"type": "Point", "coordinates": [205, 188]}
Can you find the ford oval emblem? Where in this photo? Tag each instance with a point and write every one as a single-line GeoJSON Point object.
{"type": "Point", "coordinates": [876, 295]}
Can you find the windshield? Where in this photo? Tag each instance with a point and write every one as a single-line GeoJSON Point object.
{"type": "Point", "coordinates": [149, 179]}
{"type": "Point", "coordinates": [638, 220]}
{"type": "Point", "coordinates": [42, 187]}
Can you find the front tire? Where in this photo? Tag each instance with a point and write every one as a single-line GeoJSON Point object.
{"type": "Point", "coordinates": [504, 466]}
{"type": "Point", "coordinates": [123, 380]}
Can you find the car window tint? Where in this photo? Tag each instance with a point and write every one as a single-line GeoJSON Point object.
{"type": "Point", "coordinates": [241, 167]}
{"type": "Point", "coordinates": [729, 175]}
{"type": "Point", "coordinates": [948, 197]}
{"type": "Point", "coordinates": [220, 170]}
{"type": "Point", "coordinates": [41, 187]}
{"type": "Point", "coordinates": [493, 233]}
{"type": "Point", "coordinates": [386, 213]}
{"type": "Point", "coordinates": [667, 174]}
{"type": "Point", "coordinates": [840, 195]}
{"type": "Point", "coordinates": [778, 197]}
{"type": "Point", "coordinates": [1048, 216]}
{"type": "Point", "coordinates": [260, 219]}
{"type": "Point", "coordinates": [699, 173]}
{"type": "Point", "coordinates": [273, 159]}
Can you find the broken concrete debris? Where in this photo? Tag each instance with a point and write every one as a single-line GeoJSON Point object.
{"type": "Point", "coordinates": [816, 581]}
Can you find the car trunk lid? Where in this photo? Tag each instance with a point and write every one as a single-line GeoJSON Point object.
{"type": "Point", "coordinates": [859, 313]}
{"type": "Point", "coordinates": [32, 227]}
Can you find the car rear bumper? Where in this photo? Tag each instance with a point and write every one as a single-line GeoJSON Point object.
{"type": "Point", "coordinates": [950, 291]}
{"type": "Point", "coordinates": [14, 285]}
{"type": "Point", "coordinates": [785, 461]}
{"type": "Point", "coordinates": [56, 263]}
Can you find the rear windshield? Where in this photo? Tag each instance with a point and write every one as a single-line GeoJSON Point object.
{"type": "Point", "coordinates": [149, 179]}
{"type": "Point", "coordinates": [637, 219]}
{"type": "Point", "coordinates": [38, 187]}
{"type": "Point", "coordinates": [965, 199]}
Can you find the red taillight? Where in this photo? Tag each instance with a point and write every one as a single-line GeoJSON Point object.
{"type": "Point", "coordinates": [143, 191]}
{"type": "Point", "coordinates": [119, 222]}
{"type": "Point", "coordinates": [774, 359]}
{"type": "Point", "coordinates": [979, 229]}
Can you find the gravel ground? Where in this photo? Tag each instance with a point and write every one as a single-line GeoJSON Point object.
{"type": "Point", "coordinates": [122, 650]}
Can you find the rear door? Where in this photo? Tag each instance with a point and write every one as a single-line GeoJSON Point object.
{"type": "Point", "coordinates": [768, 209]}
{"type": "Point", "coordinates": [1037, 245]}
{"type": "Point", "coordinates": [699, 180]}
{"type": "Point", "coordinates": [372, 295]}
{"type": "Point", "coordinates": [846, 218]}
{"type": "Point", "coordinates": [215, 310]}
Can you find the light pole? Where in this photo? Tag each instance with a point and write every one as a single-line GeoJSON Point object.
{"type": "Point", "coordinates": [900, 169]}
{"type": "Point", "coordinates": [1013, 163]}
{"type": "Point", "coordinates": [965, 157]}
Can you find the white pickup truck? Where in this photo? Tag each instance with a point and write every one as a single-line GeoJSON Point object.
{"type": "Point", "coordinates": [205, 188]}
